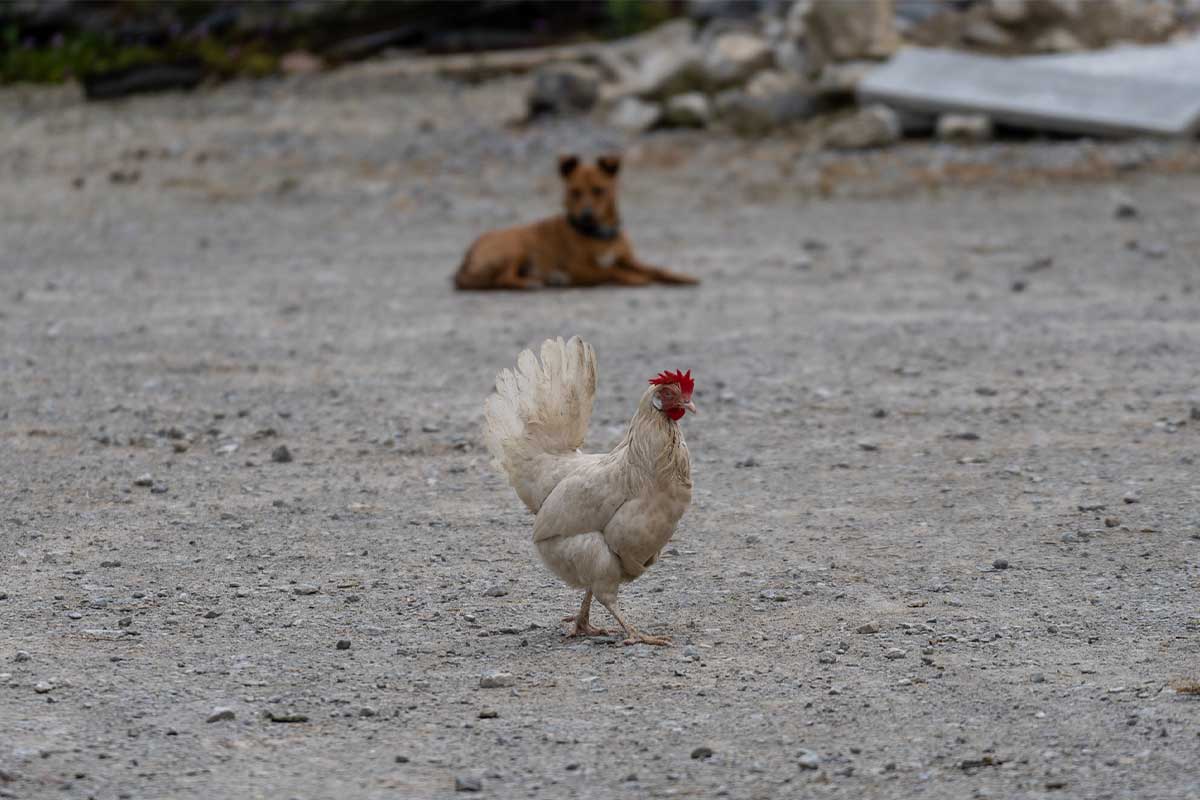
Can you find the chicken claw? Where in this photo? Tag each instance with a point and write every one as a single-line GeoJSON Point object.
{"type": "Point", "coordinates": [582, 626]}
{"type": "Point", "coordinates": [586, 629]}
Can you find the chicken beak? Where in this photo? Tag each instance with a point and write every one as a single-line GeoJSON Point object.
{"type": "Point", "coordinates": [690, 406]}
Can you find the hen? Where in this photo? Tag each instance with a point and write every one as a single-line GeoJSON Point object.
{"type": "Point", "coordinates": [602, 518]}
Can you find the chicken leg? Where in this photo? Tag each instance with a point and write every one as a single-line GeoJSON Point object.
{"type": "Point", "coordinates": [632, 635]}
{"type": "Point", "coordinates": [582, 626]}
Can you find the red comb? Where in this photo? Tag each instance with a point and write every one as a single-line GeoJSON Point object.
{"type": "Point", "coordinates": [686, 384]}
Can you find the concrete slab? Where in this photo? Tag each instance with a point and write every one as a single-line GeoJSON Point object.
{"type": "Point", "coordinates": [1178, 62]}
{"type": "Point", "coordinates": [1037, 94]}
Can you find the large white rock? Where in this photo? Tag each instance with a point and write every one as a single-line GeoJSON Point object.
{"type": "Point", "coordinates": [690, 110]}
{"type": "Point", "coordinates": [669, 71]}
{"type": "Point", "coordinates": [735, 56]}
{"type": "Point", "coordinates": [847, 30]}
{"type": "Point", "coordinates": [873, 126]}
{"type": "Point", "coordinates": [634, 115]}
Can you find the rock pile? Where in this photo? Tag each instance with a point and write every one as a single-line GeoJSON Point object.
{"type": "Point", "coordinates": [756, 67]}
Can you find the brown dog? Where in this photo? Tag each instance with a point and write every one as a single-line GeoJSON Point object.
{"type": "Point", "coordinates": [584, 247]}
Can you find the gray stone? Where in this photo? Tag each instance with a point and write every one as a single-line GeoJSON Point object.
{"type": "Point", "coordinates": [467, 783]}
{"type": "Point", "coordinates": [772, 98]}
{"type": "Point", "coordinates": [669, 71]}
{"type": "Point", "coordinates": [495, 590]}
{"type": "Point", "coordinates": [690, 110]}
{"type": "Point", "coordinates": [841, 80]}
{"type": "Point", "coordinates": [496, 680]}
{"type": "Point", "coordinates": [1057, 40]}
{"type": "Point", "coordinates": [144, 480]}
{"type": "Point", "coordinates": [873, 126]}
{"type": "Point", "coordinates": [1035, 95]}
{"type": "Point", "coordinates": [305, 588]}
{"type": "Point", "coordinates": [733, 57]}
{"type": "Point", "coordinates": [1125, 208]}
{"type": "Point", "coordinates": [807, 759]}
{"type": "Point", "coordinates": [1009, 12]}
{"type": "Point", "coordinates": [281, 454]}
{"type": "Point", "coordinates": [869, 627]}
{"type": "Point", "coordinates": [21, 655]}
{"type": "Point", "coordinates": [563, 89]}
{"type": "Point", "coordinates": [43, 687]}
{"type": "Point", "coordinates": [702, 752]}
{"type": "Point", "coordinates": [964, 127]}
{"type": "Point", "coordinates": [635, 115]}
{"type": "Point", "coordinates": [893, 653]}
{"type": "Point", "coordinates": [827, 658]}
{"type": "Point", "coordinates": [285, 715]}
{"type": "Point", "coordinates": [985, 33]}
{"type": "Point", "coordinates": [1000, 563]}
{"type": "Point", "coordinates": [844, 31]}
{"type": "Point", "coordinates": [343, 644]}
{"type": "Point", "coordinates": [221, 714]}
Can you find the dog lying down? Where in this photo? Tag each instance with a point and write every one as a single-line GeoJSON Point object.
{"type": "Point", "coordinates": [583, 247]}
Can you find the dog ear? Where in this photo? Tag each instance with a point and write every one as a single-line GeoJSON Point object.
{"type": "Point", "coordinates": [610, 164]}
{"type": "Point", "coordinates": [567, 165]}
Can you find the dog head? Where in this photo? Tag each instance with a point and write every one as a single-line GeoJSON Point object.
{"type": "Point", "coordinates": [590, 194]}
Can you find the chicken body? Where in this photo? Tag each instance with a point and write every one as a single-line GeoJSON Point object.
{"type": "Point", "coordinates": [603, 518]}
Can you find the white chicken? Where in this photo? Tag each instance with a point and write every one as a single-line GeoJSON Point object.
{"type": "Point", "coordinates": [602, 518]}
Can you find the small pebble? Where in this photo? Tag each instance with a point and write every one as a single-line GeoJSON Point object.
{"type": "Point", "coordinates": [343, 644]}
{"type": "Point", "coordinates": [1000, 563]}
{"type": "Point", "coordinates": [488, 713]}
{"type": "Point", "coordinates": [808, 760]}
{"type": "Point", "coordinates": [20, 656]}
{"type": "Point", "coordinates": [42, 687]}
{"type": "Point", "coordinates": [702, 752]}
{"type": "Point", "coordinates": [495, 591]}
{"type": "Point", "coordinates": [221, 713]}
{"type": "Point", "coordinates": [465, 783]}
{"type": "Point", "coordinates": [74, 615]}
{"type": "Point", "coordinates": [827, 658]}
{"type": "Point", "coordinates": [144, 480]}
{"type": "Point", "coordinates": [894, 653]}
{"type": "Point", "coordinates": [281, 454]}
{"type": "Point", "coordinates": [496, 680]}
{"type": "Point", "coordinates": [305, 588]}
{"type": "Point", "coordinates": [869, 627]}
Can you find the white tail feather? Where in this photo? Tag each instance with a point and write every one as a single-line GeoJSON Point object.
{"type": "Point", "coordinates": [538, 416]}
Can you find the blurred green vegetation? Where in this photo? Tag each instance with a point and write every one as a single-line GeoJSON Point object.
{"type": "Point", "coordinates": [229, 39]}
{"type": "Point", "coordinates": [78, 54]}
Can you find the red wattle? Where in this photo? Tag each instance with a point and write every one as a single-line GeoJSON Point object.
{"type": "Point", "coordinates": [675, 413]}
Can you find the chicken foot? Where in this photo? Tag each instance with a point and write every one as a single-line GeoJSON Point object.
{"type": "Point", "coordinates": [583, 626]}
{"type": "Point", "coordinates": [632, 634]}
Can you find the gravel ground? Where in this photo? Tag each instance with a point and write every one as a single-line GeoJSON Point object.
{"type": "Point", "coordinates": [944, 543]}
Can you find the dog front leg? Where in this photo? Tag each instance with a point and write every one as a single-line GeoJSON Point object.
{"type": "Point", "coordinates": [658, 273]}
